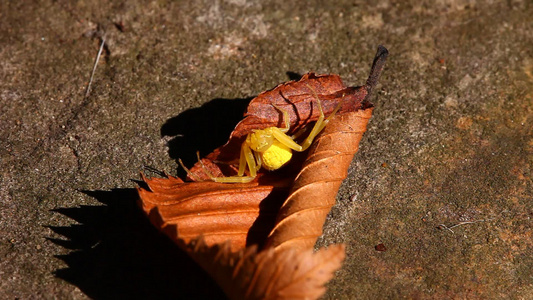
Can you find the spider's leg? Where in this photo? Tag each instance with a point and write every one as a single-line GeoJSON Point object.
{"type": "Point", "coordinates": [299, 133]}
{"type": "Point", "coordinates": [247, 158]}
{"type": "Point", "coordinates": [189, 173]}
{"type": "Point", "coordinates": [233, 179]}
{"type": "Point", "coordinates": [285, 118]}
{"type": "Point", "coordinates": [204, 167]}
{"type": "Point", "coordinates": [332, 114]}
{"type": "Point", "coordinates": [284, 139]}
{"type": "Point", "coordinates": [230, 179]}
{"type": "Point", "coordinates": [258, 160]}
{"type": "Point", "coordinates": [242, 161]}
{"type": "Point", "coordinates": [318, 124]}
{"type": "Point", "coordinates": [326, 121]}
{"type": "Point", "coordinates": [250, 160]}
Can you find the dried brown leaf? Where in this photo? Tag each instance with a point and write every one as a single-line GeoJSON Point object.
{"type": "Point", "coordinates": [222, 226]}
{"type": "Point", "coordinates": [268, 274]}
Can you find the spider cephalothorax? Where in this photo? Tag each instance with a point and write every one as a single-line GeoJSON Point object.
{"type": "Point", "coordinates": [270, 148]}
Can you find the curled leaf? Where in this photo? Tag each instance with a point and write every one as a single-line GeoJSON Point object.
{"type": "Point", "coordinates": [256, 239]}
{"type": "Point", "coordinates": [302, 215]}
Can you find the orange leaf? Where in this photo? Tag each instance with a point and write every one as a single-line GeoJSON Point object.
{"type": "Point", "coordinates": [269, 274]}
{"type": "Point", "coordinates": [256, 239]}
{"type": "Point", "coordinates": [218, 211]}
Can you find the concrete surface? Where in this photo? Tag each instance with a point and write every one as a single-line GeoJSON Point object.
{"type": "Point", "coordinates": [450, 143]}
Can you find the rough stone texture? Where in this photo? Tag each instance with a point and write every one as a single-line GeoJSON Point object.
{"type": "Point", "coordinates": [450, 143]}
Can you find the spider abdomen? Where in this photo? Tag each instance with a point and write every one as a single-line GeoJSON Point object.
{"type": "Point", "coordinates": [276, 156]}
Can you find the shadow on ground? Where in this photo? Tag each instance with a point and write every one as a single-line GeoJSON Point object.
{"type": "Point", "coordinates": [203, 129]}
{"type": "Point", "coordinates": [116, 253]}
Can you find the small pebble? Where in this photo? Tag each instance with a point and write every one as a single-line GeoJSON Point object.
{"type": "Point", "coordinates": [380, 247]}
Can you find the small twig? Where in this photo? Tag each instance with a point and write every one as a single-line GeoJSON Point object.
{"type": "Point", "coordinates": [94, 67]}
{"type": "Point", "coordinates": [156, 171]}
{"type": "Point", "coordinates": [443, 226]}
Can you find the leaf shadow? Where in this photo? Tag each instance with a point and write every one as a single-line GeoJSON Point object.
{"type": "Point", "coordinates": [293, 75]}
{"type": "Point", "coordinates": [117, 254]}
{"type": "Point", "coordinates": [202, 129]}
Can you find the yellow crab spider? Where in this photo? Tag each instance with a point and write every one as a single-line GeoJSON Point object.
{"type": "Point", "coordinates": [270, 148]}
